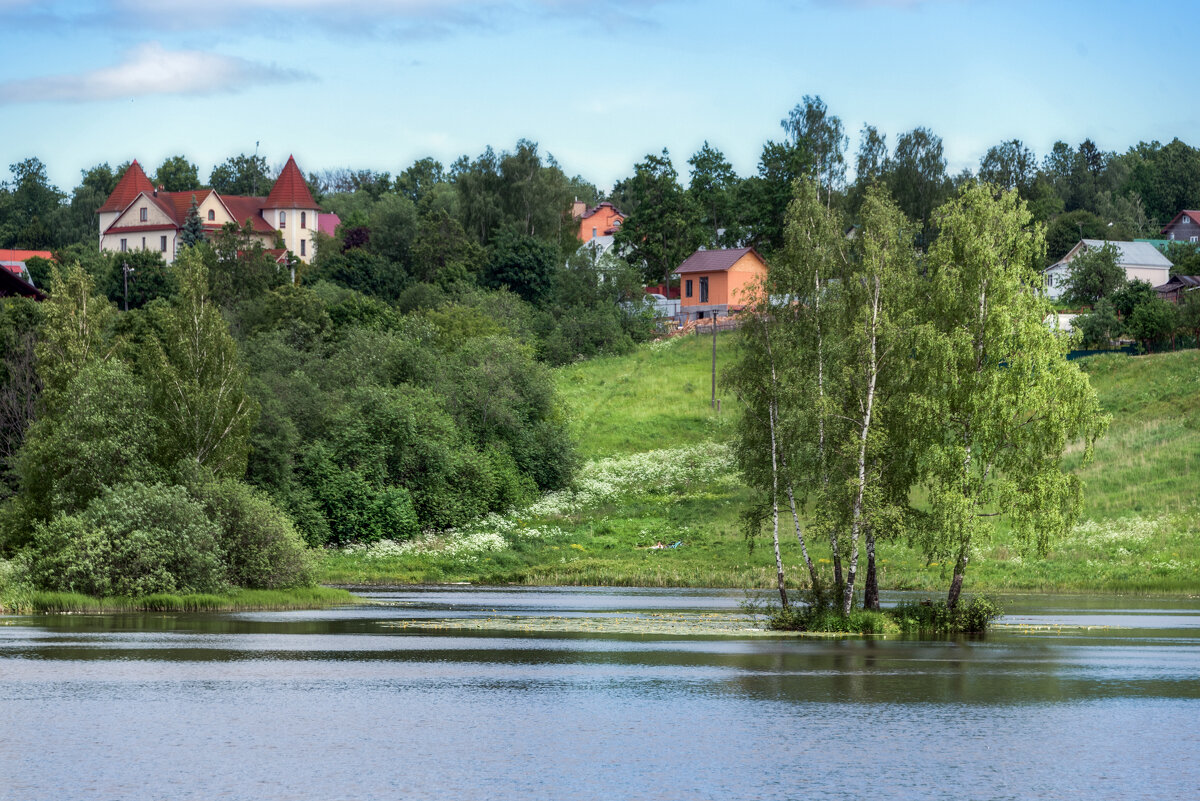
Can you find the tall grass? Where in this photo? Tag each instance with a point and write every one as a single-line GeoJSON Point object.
{"type": "Point", "coordinates": [39, 602]}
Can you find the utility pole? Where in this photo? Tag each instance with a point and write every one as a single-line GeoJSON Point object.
{"type": "Point", "coordinates": [714, 362]}
{"type": "Point", "coordinates": [126, 269]}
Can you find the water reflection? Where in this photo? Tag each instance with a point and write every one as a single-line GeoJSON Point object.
{"type": "Point", "coordinates": [344, 703]}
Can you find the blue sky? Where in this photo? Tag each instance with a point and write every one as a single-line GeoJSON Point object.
{"type": "Point", "coordinates": [597, 84]}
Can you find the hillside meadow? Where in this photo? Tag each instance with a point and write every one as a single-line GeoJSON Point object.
{"type": "Point", "coordinates": [658, 471]}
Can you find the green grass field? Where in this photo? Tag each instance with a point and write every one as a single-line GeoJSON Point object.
{"type": "Point", "coordinates": [643, 421]}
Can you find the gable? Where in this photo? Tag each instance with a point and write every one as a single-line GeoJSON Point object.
{"type": "Point", "coordinates": [155, 215]}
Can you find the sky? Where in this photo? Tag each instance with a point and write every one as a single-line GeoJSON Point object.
{"type": "Point", "coordinates": [600, 84]}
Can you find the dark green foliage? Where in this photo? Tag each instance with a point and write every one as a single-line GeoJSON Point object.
{"type": "Point", "coordinates": [1153, 321]}
{"type": "Point", "coordinates": [1095, 273]}
{"type": "Point", "coordinates": [351, 508]}
{"type": "Point", "coordinates": [241, 175]}
{"type": "Point", "coordinates": [1067, 229]}
{"type": "Point", "coordinates": [260, 545]}
{"type": "Point", "coordinates": [134, 539]}
{"type": "Point", "coordinates": [177, 174]}
{"type": "Point", "coordinates": [522, 264]}
{"type": "Point", "coordinates": [663, 228]}
{"type": "Point", "coordinates": [930, 617]}
{"type": "Point", "coordinates": [1100, 328]}
{"type": "Point", "coordinates": [365, 272]}
{"type": "Point", "coordinates": [1184, 257]}
{"type": "Point", "coordinates": [193, 227]}
{"type": "Point", "coordinates": [1132, 295]}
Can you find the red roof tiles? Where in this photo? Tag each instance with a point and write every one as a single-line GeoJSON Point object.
{"type": "Point", "coordinates": [132, 182]}
{"type": "Point", "coordinates": [290, 191]}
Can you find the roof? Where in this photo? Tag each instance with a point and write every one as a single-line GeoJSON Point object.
{"type": "Point", "coordinates": [12, 284]}
{"type": "Point", "coordinates": [132, 182]}
{"type": "Point", "coordinates": [1187, 281]}
{"type": "Point", "coordinates": [599, 206]}
{"type": "Point", "coordinates": [709, 261]}
{"type": "Point", "coordinates": [1194, 216]}
{"type": "Point", "coordinates": [248, 208]}
{"type": "Point", "coordinates": [1136, 254]}
{"type": "Point", "coordinates": [327, 223]}
{"type": "Point", "coordinates": [8, 254]}
{"type": "Point", "coordinates": [290, 190]}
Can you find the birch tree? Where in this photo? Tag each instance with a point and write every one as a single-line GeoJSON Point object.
{"type": "Point", "coordinates": [876, 315]}
{"type": "Point", "coordinates": [998, 403]}
{"type": "Point", "coordinates": [197, 382]}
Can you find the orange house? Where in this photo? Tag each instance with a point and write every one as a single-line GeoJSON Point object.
{"type": "Point", "coordinates": [718, 281]}
{"type": "Point", "coordinates": [603, 220]}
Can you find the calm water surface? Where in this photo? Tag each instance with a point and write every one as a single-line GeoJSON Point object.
{"type": "Point", "coordinates": [346, 704]}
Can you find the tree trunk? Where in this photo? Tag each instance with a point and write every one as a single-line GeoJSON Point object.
{"type": "Point", "coordinates": [960, 570]}
{"type": "Point", "coordinates": [814, 579]}
{"type": "Point", "coordinates": [771, 414]}
{"type": "Point", "coordinates": [864, 433]}
{"type": "Point", "coordinates": [871, 585]}
{"type": "Point", "coordinates": [835, 553]}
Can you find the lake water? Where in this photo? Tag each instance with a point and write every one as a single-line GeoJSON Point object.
{"type": "Point", "coordinates": [387, 702]}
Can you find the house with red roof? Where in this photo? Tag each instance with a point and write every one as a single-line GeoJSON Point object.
{"type": "Point", "coordinates": [140, 216]}
{"type": "Point", "coordinates": [15, 278]}
{"type": "Point", "coordinates": [719, 282]}
{"type": "Point", "coordinates": [1185, 227]}
{"type": "Point", "coordinates": [602, 220]}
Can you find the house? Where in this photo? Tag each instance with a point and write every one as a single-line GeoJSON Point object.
{"type": "Point", "coordinates": [1174, 289]}
{"type": "Point", "coordinates": [719, 281]}
{"type": "Point", "coordinates": [15, 278]}
{"type": "Point", "coordinates": [1185, 227]}
{"type": "Point", "coordinates": [139, 216]}
{"type": "Point", "coordinates": [1140, 260]}
{"type": "Point", "coordinates": [602, 220]}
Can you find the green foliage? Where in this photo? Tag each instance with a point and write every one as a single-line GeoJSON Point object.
{"type": "Point", "coordinates": [1131, 295]}
{"type": "Point", "coordinates": [1100, 328]}
{"type": "Point", "coordinates": [201, 411]}
{"type": "Point", "coordinates": [521, 264]}
{"type": "Point", "coordinates": [1153, 321]}
{"type": "Point", "coordinates": [241, 175]}
{"type": "Point", "coordinates": [1068, 229]}
{"type": "Point", "coordinates": [662, 229]}
{"type": "Point", "coordinates": [193, 227]}
{"type": "Point", "coordinates": [177, 174]}
{"type": "Point", "coordinates": [261, 547]}
{"type": "Point", "coordinates": [929, 617]}
{"type": "Point", "coordinates": [74, 322]}
{"type": "Point", "coordinates": [134, 539]}
{"type": "Point", "coordinates": [97, 436]}
{"type": "Point", "coordinates": [1095, 273]}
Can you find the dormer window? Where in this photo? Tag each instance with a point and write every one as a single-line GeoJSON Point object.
{"type": "Point", "coordinates": [212, 215]}
{"type": "Point", "coordinates": [283, 219]}
{"type": "Point", "coordinates": [145, 213]}
{"type": "Point", "coordinates": [303, 219]}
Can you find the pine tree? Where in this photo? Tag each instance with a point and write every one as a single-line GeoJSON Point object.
{"type": "Point", "coordinates": [193, 228]}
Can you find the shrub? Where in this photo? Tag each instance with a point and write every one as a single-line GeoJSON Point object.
{"type": "Point", "coordinates": [937, 618]}
{"type": "Point", "coordinates": [262, 549]}
{"type": "Point", "coordinates": [135, 539]}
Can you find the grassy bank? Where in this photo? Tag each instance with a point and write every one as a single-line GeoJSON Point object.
{"type": "Point", "coordinates": [16, 600]}
{"type": "Point", "coordinates": [659, 473]}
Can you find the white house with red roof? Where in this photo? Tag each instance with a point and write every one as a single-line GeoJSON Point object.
{"type": "Point", "coordinates": [139, 216]}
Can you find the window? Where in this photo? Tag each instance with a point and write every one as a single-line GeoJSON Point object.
{"type": "Point", "coordinates": [143, 243]}
{"type": "Point", "coordinates": [688, 288]}
{"type": "Point", "coordinates": [303, 221]}
{"type": "Point", "coordinates": [1195, 239]}
{"type": "Point", "coordinates": [303, 242]}
{"type": "Point", "coordinates": [617, 222]}
{"type": "Point", "coordinates": [162, 244]}
{"type": "Point", "coordinates": [144, 214]}
{"type": "Point", "coordinates": [212, 215]}
{"type": "Point", "coordinates": [704, 289]}
{"type": "Point", "coordinates": [593, 233]}
{"type": "Point", "coordinates": [124, 246]}
{"type": "Point", "coordinates": [283, 219]}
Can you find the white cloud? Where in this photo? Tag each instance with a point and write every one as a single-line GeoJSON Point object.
{"type": "Point", "coordinates": [149, 69]}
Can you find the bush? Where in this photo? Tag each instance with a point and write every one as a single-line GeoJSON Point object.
{"type": "Point", "coordinates": [262, 549]}
{"type": "Point", "coordinates": [135, 539]}
{"type": "Point", "coordinates": [937, 618]}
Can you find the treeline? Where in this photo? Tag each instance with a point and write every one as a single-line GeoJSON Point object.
{"type": "Point", "coordinates": [907, 397]}
{"type": "Point", "coordinates": [425, 217]}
